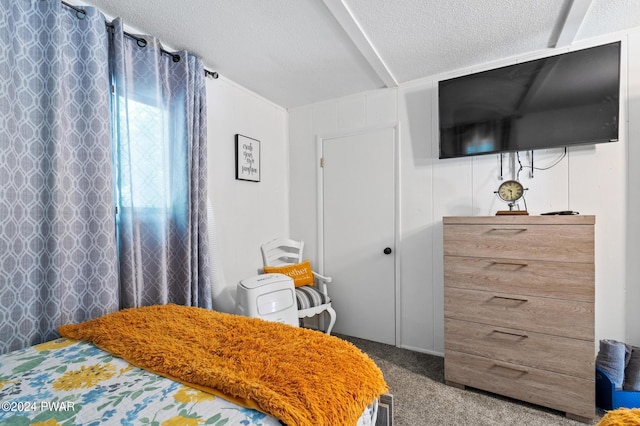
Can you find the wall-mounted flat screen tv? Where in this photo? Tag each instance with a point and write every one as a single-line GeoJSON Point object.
{"type": "Point", "coordinates": [558, 101]}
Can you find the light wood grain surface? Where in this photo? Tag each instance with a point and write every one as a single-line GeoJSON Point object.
{"type": "Point", "coordinates": [519, 308]}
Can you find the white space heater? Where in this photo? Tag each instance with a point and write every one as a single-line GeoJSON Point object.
{"type": "Point", "coordinates": [268, 296]}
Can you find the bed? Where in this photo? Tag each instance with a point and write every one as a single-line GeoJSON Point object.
{"type": "Point", "coordinates": [175, 365]}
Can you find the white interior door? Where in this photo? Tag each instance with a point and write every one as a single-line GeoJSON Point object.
{"type": "Point", "coordinates": [358, 230]}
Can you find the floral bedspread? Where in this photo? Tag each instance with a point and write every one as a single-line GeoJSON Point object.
{"type": "Point", "coordinates": [65, 382]}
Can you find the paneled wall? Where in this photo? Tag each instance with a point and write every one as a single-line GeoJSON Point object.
{"type": "Point", "coordinates": [590, 179]}
{"type": "Point", "coordinates": [247, 213]}
{"type": "Point", "coordinates": [632, 205]}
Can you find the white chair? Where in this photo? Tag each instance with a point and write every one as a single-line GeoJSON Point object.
{"type": "Point", "coordinates": [312, 299]}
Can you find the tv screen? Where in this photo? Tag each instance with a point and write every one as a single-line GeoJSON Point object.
{"type": "Point", "coordinates": [561, 100]}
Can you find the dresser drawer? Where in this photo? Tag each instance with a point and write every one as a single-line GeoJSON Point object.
{"type": "Point", "coordinates": [529, 277]}
{"type": "Point", "coordinates": [538, 314]}
{"type": "Point", "coordinates": [570, 356]}
{"type": "Point", "coordinates": [565, 393]}
{"type": "Point", "coordinates": [521, 241]}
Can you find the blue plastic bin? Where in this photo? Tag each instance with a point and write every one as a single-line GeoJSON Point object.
{"type": "Point", "coordinates": [610, 398]}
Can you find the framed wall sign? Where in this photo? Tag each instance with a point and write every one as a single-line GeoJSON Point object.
{"type": "Point", "coordinates": [247, 158]}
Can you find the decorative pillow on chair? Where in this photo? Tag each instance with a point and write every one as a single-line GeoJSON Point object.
{"type": "Point", "coordinates": [300, 272]}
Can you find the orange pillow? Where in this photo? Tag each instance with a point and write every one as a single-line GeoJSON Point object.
{"type": "Point", "coordinates": [300, 272]}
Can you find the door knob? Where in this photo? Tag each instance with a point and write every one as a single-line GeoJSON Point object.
{"type": "Point", "coordinates": [387, 250]}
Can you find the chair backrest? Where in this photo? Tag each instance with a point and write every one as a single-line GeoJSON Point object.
{"type": "Point", "coordinates": [281, 251]}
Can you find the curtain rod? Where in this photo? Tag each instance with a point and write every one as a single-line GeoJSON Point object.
{"type": "Point", "coordinates": [142, 42]}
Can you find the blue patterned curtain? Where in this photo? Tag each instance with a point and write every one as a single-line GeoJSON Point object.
{"type": "Point", "coordinates": [58, 261]}
{"type": "Point", "coordinates": [159, 112]}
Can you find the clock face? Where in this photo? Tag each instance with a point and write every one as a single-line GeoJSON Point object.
{"type": "Point", "coordinates": [510, 190]}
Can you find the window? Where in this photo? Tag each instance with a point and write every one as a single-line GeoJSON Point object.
{"type": "Point", "coordinates": [142, 184]}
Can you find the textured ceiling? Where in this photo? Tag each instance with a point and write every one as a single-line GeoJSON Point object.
{"type": "Point", "coordinates": [296, 52]}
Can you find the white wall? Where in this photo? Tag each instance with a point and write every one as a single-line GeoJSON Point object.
{"type": "Point", "coordinates": [247, 213]}
{"type": "Point", "coordinates": [633, 193]}
{"type": "Point", "coordinates": [591, 180]}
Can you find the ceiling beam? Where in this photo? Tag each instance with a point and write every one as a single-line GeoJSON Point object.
{"type": "Point", "coordinates": [575, 16]}
{"type": "Point", "coordinates": [354, 31]}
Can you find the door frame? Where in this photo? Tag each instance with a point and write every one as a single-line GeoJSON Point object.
{"type": "Point", "coordinates": [320, 138]}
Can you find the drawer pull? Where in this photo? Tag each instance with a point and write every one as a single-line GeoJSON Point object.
{"type": "Point", "coordinates": [523, 335]}
{"type": "Point", "coordinates": [522, 264]}
{"type": "Point", "coordinates": [515, 299]}
{"type": "Point", "coordinates": [508, 367]}
{"type": "Point", "coordinates": [510, 229]}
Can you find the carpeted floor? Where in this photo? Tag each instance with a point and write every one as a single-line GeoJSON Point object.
{"type": "Point", "coordinates": [421, 398]}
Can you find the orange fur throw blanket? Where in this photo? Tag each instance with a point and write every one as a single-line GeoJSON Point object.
{"type": "Point", "coordinates": [300, 376]}
{"type": "Point", "coordinates": [621, 417]}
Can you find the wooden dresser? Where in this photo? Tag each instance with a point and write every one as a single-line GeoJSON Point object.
{"type": "Point", "coordinates": [519, 308]}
